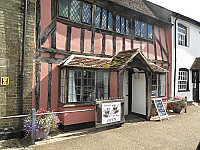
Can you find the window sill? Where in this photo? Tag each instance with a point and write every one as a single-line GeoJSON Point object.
{"type": "Point", "coordinates": [183, 90]}
{"type": "Point", "coordinates": [77, 105]}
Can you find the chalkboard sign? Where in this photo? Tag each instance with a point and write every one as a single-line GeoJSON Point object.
{"type": "Point", "coordinates": [160, 108]}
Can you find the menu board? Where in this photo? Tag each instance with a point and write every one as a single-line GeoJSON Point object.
{"type": "Point", "coordinates": [160, 108]}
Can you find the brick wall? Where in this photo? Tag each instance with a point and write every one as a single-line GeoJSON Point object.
{"type": "Point", "coordinates": [11, 29]}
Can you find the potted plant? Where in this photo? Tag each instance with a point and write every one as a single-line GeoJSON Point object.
{"type": "Point", "coordinates": [177, 104]}
{"type": "Point", "coordinates": [43, 124]}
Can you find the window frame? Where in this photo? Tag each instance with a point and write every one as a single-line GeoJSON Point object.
{"type": "Point", "coordinates": [120, 24]}
{"type": "Point", "coordinates": [158, 85]}
{"type": "Point", "coordinates": [185, 41]}
{"type": "Point", "coordinates": [82, 101]}
{"type": "Point", "coordinates": [187, 81]}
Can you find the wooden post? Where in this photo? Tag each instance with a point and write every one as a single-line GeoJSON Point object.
{"type": "Point", "coordinates": [148, 95]}
{"type": "Point", "coordinates": [33, 126]}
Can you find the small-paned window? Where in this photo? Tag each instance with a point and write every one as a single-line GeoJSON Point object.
{"type": "Point", "coordinates": [137, 28]}
{"type": "Point", "coordinates": [75, 11]}
{"type": "Point", "coordinates": [86, 13]}
{"type": "Point", "coordinates": [158, 85]}
{"type": "Point", "coordinates": [83, 86]}
{"type": "Point", "coordinates": [122, 25]}
{"type": "Point", "coordinates": [127, 26]}
{"type": "Point", "coordinates": [97, 17]}
{"type": "Point", "coordinates": [110, 21]}
{"type": "Point", "coordinates": [150, 31]}
{"type": "Point", "coordinates": [183, 78]}
{"type": "Point", "coordinates": [117, 23]}
{"type": "Point", "coordinates": [182, 35]}
{"type": "Point", "coordinates": [72, 9]}
{"type": "Point", "coordinates": [104, 18]}
{"type": "Point", "coordinates": [63, 8]}
{"type": "Point", "coordinates": [143, 30]}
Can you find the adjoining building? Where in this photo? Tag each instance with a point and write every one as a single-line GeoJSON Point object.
{"type": "Point", "coordinates": [87, 50]}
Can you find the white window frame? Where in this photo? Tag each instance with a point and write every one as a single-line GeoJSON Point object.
{"type": "Point", "coordinates": [160, 86]}
{"type": "Point", "coordinates": [182, 36]}
{"type": "Point", "coordinates": [183, 77]}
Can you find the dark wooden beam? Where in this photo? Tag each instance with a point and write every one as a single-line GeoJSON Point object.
{"type": "Point", "coordinates": [49, 86]}
{"type": "Point", "coordinates": [38, 28]}
{"type": "Point", "coordinates": [148, 76]}
{"type": "Point", "coordinates": [160, 46]}
{"type": "Point", "coordinates": [68, 41]}
{"type": "Point", "coordinates": [82, 40]}
{"type": "Point", "coordinates": [37, 85]}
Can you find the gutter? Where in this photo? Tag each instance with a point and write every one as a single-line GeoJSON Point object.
{"type": "Point", "coordinates": [23, 57]}
{"type": "Point", "coordinates": [175, 55]}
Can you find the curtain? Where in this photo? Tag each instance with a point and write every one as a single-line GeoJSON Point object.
{"type": "Point", "coordinates": [71, 87]}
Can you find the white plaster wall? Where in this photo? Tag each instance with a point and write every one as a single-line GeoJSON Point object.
{"type": "Point", "coordinates": [125, 92]}
{"type": "Point", "coordinates": [139, 94]}
{"type": "Point", "coordinates": [185, 55]}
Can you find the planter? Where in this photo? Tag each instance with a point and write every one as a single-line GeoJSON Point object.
{"type": "Point", "coordinates": [175, 106]}
{"type": "Point", "coordinates": [40, 135]}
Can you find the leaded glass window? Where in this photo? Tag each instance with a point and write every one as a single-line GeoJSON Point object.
{"type": "Point", "coordinates": [122, 25]}
{"type": "Point", "coordinates": [150, 31]}
{"type": "Point", "coordinates": [86, 13]}
{"type": "Point", "coordinates": [63, 8]}
{"type": "Point", "coordinates": [98, 17]}
{"type": "Point", "coordinates": [127, 26]}
{"type": "Point", "coordinates": [75, 10]}
{"type": "Point", "coordinates": [110, 21]}
{"type": "Point", "coordinates": [117, 23]}
{"type": "Point", "coordinates": [137, 28]}
{"type": "Point", "coordinates": [143, 30]}
{"type": "Point", "coordinates": [104, 18]}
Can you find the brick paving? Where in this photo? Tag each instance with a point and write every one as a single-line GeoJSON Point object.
{"type": "Point", "coordinates": [180, 132]}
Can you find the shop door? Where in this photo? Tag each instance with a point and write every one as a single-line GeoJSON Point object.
{"type": "Point", "coordinates": [195, 82]}
{"type": "Point", "coordinates": [139, 94]}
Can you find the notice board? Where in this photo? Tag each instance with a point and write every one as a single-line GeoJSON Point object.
{"type": "Point", "coordinates": [160, 108]}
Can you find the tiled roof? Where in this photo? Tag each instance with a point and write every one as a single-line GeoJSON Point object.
{"type": "Point", "coordinates": [86, 62]}
{"type": "Point", "coordinates": [118, 62]}
{"type": "Point", "coordinates": [137, 5]}
{"type": "Point", "coordinates": [196, 64]}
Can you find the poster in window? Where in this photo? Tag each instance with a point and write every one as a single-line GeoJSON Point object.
{"type": "Point", "coordinates": [111, 112]}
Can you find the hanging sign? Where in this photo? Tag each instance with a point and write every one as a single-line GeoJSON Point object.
{"type": "Point", "coordinates": [111, 112]}
{"type": "Point", "coordinates": [4, 81]}
{"type": "Point", "coordinates": [160, 108]}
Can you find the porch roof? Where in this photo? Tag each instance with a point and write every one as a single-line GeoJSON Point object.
{"type": "Point", "coordinates": [118, 62]}
{"type": "Point", "coordinates": [196, 64]}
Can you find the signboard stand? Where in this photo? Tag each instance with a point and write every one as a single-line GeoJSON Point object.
{"type": "Point", "coordinates": [161, 109]}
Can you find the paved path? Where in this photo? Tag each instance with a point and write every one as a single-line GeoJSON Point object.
{"type": "Point", "coordinates": [180, 132]}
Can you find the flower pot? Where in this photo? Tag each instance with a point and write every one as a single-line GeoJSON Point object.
{"type": "Point", "coordinates": [41, 134]}
{"type": "Point", "coordinates": [177, 108]}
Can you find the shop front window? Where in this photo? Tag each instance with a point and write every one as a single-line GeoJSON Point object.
{"type": "Point", "coordinates": [158, 85]}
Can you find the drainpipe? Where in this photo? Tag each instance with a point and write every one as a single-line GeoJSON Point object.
{"type": "Point", "coordinates": [175, 56]}
{"type": "Point", "coordinates": [23, 57]}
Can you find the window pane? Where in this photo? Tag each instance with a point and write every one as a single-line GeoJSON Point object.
{"type": "Point", "coordinates": [97, 17]}
{"type": "Point", "coordinates": [117, 23]}
{"type": "Point", "coordinates": [86, 13]}
{"type": "Point", "coordinates": [127, 26]}
{"type": "Point", "coordinates": [122, 25]}
{"type": "Point", "coordinates": [150, 32]}
{"type": "Point", "coordinates": [75, 10]}
{"type": "Point", "coordinates": [110, 21]}
{"type": "Point", "coordinates": [154, 87]}
{"type": "Point", "coordinates": [137, 28]}
{"type": "Point", "coordinates": [182, 80]}
{"type": "Point", "coordinates": [182, 35]}
{"type": "Point", "coordinates": [63, 8]}
{"type": "Point", "coordinates": [143, 30]}
{"type": "Point", "coordinates": [162, 86]}
{"type": "Point", "coordinates": [102, 84]}
{"type": "Point", "coordinates": [104, 18]}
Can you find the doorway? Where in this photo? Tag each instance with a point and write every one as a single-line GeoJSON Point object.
{"type": "Point", "coordinates": [195, 82]}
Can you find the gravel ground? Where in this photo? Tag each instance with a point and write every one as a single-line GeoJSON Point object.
{"type": "Point", "coordinates": [180, 132]}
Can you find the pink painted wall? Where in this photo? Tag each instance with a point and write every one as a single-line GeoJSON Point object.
{"type": "Point", "coordinates": [113, 84]}
{"type": "Point", "coordinates": [75, 39]}
{"type": "Point", "coordinates": [156, 31]}
{"type": "Point", "coordinates": [43, 85]}
{"type": "Point", "coordinates": [77, 117]}
{"type": "Point", "coordinates": [61, 36]}
{"type": "Point", "coordinates": [45, 54]}
{"type": "Point", "coordinates": [98, 43]}
{"type": "Point", "coordinates": [59, 56]}
{"type": "Point", "coordinates": [136, 44]}
{"type": "Point", "coordinates": [151, 52]}
{"type": "Point", "coordinates": [87, 41]}
{"type": "Point", "coordinates": [118, 44]}
{"type": "Point", "coordinates": [54, 88]}
{"type": "Point", "coordinates": [109, 45]}
{"type": "Point", "coordinates": [45, 19]}
{"type": "Point", "coordinates": [144, 48]}
{"type": "Point", "coordinates": [127, 44]}
{"type": "Point", "coordinates": [158, 50]}
{"type": "Point", "coordinates": [33, 87]}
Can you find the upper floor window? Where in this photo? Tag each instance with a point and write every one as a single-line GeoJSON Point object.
{"type": "Point", "coordinates": [158, 85]}
{"type": "Point", "coordinates": [143, 30]}
{"type": "Point", "coordinates": [183, 78]}
{"type": "Point", "coordinates": [75, 10]}
{"type": "Point", "coordinates": [182, 35]}
{"type": "Point", "coordinates": [122, 25]}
